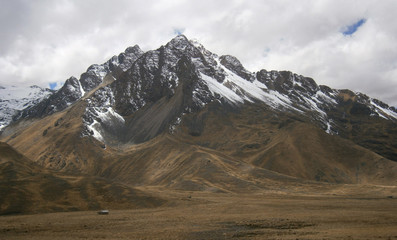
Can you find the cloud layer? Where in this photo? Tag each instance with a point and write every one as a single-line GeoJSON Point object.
{"type": "Point", "coordinates": [45, 41]}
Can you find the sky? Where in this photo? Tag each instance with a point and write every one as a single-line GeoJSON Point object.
{"type": "Point", "coordinates": [345, 44]}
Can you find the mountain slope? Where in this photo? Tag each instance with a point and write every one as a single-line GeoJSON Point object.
{"type": "Point", "coordinates": [74, 89]}
{"type": "Point", "coordinates": [215, 148]}
{"type": "Point", "coordinates": [218, 121]}
{"type": "Point", "coordinates": [28, 188]}
{"type": "Point", "coordinates": [184, 77]}
{"type": "Point", "coordinates": [287, 145]}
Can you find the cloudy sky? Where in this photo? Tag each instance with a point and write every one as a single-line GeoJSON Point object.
{"type": "Point", "coordinates": [340, 43]}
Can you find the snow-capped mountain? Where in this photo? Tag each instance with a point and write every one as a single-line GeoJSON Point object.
{"type": "Point", "coordinates": [137, 95]}
{"type": "Point", "coordinates": [183, 117]}
{"type": "Point", "coordinates": [74, 89]}
{"type": "Point", "coordinates": [13, 99]}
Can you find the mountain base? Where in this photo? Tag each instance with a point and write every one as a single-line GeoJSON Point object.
{"type": "Point", "coordinates": [344, 212]}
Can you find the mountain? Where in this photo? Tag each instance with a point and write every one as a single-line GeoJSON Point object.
{"type": "Point", "coordinates": [14, 99]}
{"type": "Point", "coordinates": [75, 89]}
{"type": "Point", "coordinates": [192, 77]}
{"type": "Point", "coordinates": [182, 117]}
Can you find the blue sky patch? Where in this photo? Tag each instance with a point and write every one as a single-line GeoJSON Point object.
{"type": "Point", "coordinates": [266, 52]}
{"type": "Point", "coordinates": [178, 31]}
{"type": "Point", "coordinates": [351, 29]}
{"type": "Point", "coordinates": [53, 85]}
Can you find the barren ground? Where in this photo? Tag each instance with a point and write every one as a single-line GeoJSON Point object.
{"type": "Point", "coordinates": [200, 215]}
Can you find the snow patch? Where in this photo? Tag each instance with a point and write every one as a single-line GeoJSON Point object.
{"type": "Point", "coordinates": [250, 89]}
{"type": "Point", "coordinates": [218, 88]}
{"type": "Point", "coordinates": [81, 89]}
{"type": "Point", "coordinates": [99, 116]}
{"type": "Point", "coordinates": [313, 106]}
{"type": "Point", "coordinates": [107, 113]}
{"type": "Point", "coordinates": [329, 125]}
{"type": "Point", "coordinates": [95, 133]}
{"type": "Point", "coordinates": [324, 97]}
{"type": "Point", "coordinates": [173, 126]}
{"type": "Point", "coordinates": [14, 99]}
{"type": "Point", "coordinates": [384, 112]}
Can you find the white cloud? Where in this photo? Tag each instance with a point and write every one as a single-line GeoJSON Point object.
{"type": "Point", "coordinates": [48, 41]}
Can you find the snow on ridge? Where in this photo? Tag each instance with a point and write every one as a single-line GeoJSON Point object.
{"type": "Point", "coordinates": [18, 93]}
{"type": "Point", "coordinates": [383, 112]}
{"type": "Point", "coordinates": [324, 97]}
{"type": "Point", "coordinates": [14, 99]}
{"type": "Point", "coordinates": [250, 89]}
{"type": "Point", "coordinates": [313, 106]}
{"type": "Point", "coordinates": [237, 90]}
{"type": "Point", "coordinates": [259, 91]}
{"type": "Point", "coordinates": [218, 88]}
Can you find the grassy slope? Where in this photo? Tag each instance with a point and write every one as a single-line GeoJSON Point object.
{"type": "Point", "coordinates": [28, 188]}
{"type": "Point", "coordinates": [288, 145]}
{"type": "Point", "coordinates": [217, 149]}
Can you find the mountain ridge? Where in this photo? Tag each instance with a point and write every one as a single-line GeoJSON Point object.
{"type": "Point", "coordinates": [283, 82]}
{"type": "Point", "coordinates": [174, 89]}
{"type": "Point", "coordinates": [14, 99]}
{"type": "Point", "coordinates": [180, 119]}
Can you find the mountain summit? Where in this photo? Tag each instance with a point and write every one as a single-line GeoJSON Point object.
{"type": "Point", "coordinates": [14, 99]}
{"type": "Point", "coordinates": [181, 113]}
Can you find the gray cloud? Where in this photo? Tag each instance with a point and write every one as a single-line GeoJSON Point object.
{"type": "Point", "coordinates": [48, 41]}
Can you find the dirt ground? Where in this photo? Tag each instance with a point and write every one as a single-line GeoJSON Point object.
{"type": "Point", "coordinates": [198, 215]}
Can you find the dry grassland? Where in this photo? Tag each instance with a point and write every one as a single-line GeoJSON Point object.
{"type": "Point", "coordinates": [199, 215]}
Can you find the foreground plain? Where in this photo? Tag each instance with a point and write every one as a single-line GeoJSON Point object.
{"type": "Point", "coordinates": [200, 215]}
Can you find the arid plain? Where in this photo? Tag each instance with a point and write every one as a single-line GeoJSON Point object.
{"type": "Point", "coordinates": [340, 212]}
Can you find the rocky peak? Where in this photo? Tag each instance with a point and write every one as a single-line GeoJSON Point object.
{"type": "Point", "coordinates": [129, 56]}
{"type": "Point", "coordinates": [234, 65]}
{"type": "Point", "coordinates": [69, 93]}
{"type": "Point", "coordinates": [286, 82]}
{"type": "Point", "coordinates": [93, 76]}
{"type": "Point", "coordinates": [192, 76]}
{"type": "Point", "coordinates": [136, 50]}
{"type": "Point", "coordinates": [72, 81]}
{"type": "Point", "coordinates": [13, 99]}
{"type": "Point", "coordinates": [179, 42]}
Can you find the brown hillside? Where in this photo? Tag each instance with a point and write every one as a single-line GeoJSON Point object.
{"type": "Point", "coordinates": [28, 188]}
{"type": "Point", "coordinates": [55, 142]}
{"type": "Point", "coordinates": [216, 149]}
{"type": "Point", "coordinates": [287, 145]}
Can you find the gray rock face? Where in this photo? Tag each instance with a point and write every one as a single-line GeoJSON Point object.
{"type": "Point", "coordinates": [64, 97]}
{"type": "Point", "coordinates": [74, 89]}
{"type": "Point", "coordinates": [130, 55]}
{"type": "Point", "coordinates": [234, 65]}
